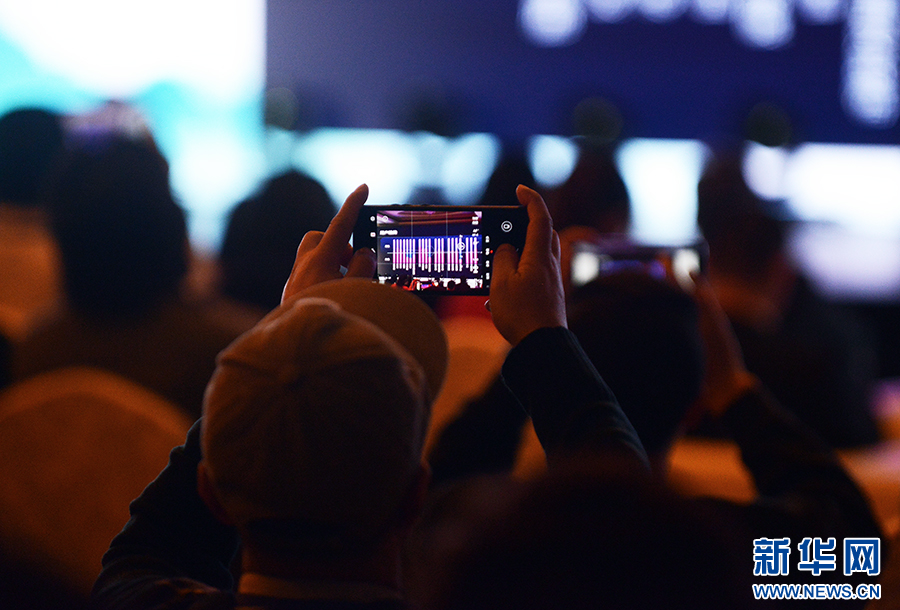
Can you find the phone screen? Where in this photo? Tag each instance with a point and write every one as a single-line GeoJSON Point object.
{"type": "Point", "coordinates": [594, 259]}
{"type": "Point", "coordinates": [445, 249]}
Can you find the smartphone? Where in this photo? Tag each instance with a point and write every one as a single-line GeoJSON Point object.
{"type": "Point", "coordinates": [592, 259]}
{"type": "Point", "coordinates": [442, 249]}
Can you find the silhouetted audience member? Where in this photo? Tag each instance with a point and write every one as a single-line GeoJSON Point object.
{"type": "Point", "coordinates": [593, 196]}
{"type": "Point", "coordinates": [586, 536]}
{"type": "Point", "coordinates": [313, 429]}
{"type": "Point", "coordinates": [124, 251]}
{"type": "Point", "coordinates": [511, 171]}
{"type": "Point", "coordinates": [30, 141]}
{"type": "Point", "coordinates": [262, 234]}
{"type": "Point", "coordinates": [643, 335]}
{"type": "Point", "coordinates": [816, 358]}
{"type": "Point", "coordinates": [26, 585]}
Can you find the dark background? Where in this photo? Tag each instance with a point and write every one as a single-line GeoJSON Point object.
{"type": "Point", "coordinates": [458, 66]}
{"type": "Point", "coordinates": [359, 63]}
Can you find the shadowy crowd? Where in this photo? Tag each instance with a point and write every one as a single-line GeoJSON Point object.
{"type": "Point", "coordinates": [338, 443]}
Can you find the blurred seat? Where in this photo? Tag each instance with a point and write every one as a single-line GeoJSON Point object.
{"type": "Point", "coordinates": [76, 446]}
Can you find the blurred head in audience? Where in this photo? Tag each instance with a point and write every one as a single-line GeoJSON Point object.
{"type": "Point", "coordinates": [512, 170]}
{"type": "Point", "coordinates": [586, 537]}
{"type": "Point", "coordinates": [593, 196]}
{"type": "Point", "coordinates": [30, 140]}
{"type": "Point", "coordinates": [744, 239]}
{"type": "Point", "coordinates": [314, 424]}
{"type": "Point", "coordinates": [5, 351]}
{"type": "Point", "coordinates": [262, 235]}
{"type": "Point", "coordinates": [749, 265]}
{"type": "Point", "coordinates": [122, 236]}
{"type": "Point", "coordinates": [642, 335]}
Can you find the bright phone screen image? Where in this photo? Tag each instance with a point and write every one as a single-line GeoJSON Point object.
{"type": "Point", "coordinates": [432, 249]}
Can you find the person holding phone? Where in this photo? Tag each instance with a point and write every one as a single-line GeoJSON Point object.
{"type": "Point", "coordinates": [310, 449]}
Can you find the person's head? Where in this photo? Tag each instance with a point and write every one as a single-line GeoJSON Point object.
{"type": "Point", "coordinates": [743, 237]}
{"type": "Point", "coordinates": [262, 234]}
{"type": "Point", "coordinates": [642, 335]}
{"type": "Point", "coordinates": [586, 536]}
{"type": "Point", "coordinates": [512, 170]}
{"type": "Point", "coordinates": [314, 422]}
{"type": "Point", "coordinates": [122, 236]}
{"type": "Point", "coordinates": [30, 140]}
{"type": "Point", "coordinates": [593, 196]}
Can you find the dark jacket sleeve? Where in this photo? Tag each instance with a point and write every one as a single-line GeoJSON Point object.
{"type": "Point", "coordinates": [570, 405]}
{"type": "Point", "coordinates": [172, 548]}
{"type": "Point", "coordinates": [484, 438]}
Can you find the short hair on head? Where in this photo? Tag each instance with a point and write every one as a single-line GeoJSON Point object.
{"type": "Point", "coordinates": [122, 236]}
{"type": "Point", "coordinates": [512, 170]}
{"type": "Point", "coordinates": [642, 335]}
{"type": "Point", "coordinates": [263, 232]}
{"type": "Point", "coordinates": [30, 141]}
{"type": "Point", "coordinates": [742, 235]}
{"type": "Point", "coordinates": [593, 196]}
